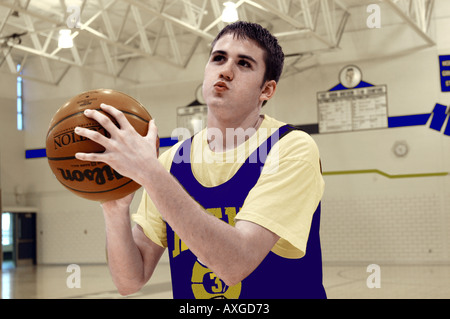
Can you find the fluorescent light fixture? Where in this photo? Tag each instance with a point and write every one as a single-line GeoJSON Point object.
{"type": "Point", "coordinates": [65, 40]}
{"type": "Point", "coordinates": [230, 13]}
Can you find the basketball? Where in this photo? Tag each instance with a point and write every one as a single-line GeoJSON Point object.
{"type": "Point", "coordinates": [91, 180]}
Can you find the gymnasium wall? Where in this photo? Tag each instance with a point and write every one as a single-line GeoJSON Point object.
{"type": "Point", "coordinates": [370, 217]}
{"type": "Point", "coordinates": [12, 142]}
{"type": "Point", "coordinates": [395, 217]}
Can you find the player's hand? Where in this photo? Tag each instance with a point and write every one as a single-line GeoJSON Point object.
{"type": "Point", "coordinates": [126, 151]}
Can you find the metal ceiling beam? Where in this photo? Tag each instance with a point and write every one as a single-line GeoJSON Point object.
{"type": "Point", "coordinates": [129, 35]}
{"type": "Point", "coordinates": [173, 42]}
{"type": "Point", "coordinates": [419, 28]}
{"type": "Point", "coordinates": [306, 26]}
{"type": "Point", "coordinates": [270, 7]}
{"type": "Point", "coordinates": [10, 11]}
{"type": "Point", "coordinates": [9, 61]}
{"type": "Point", "coordinates": [307, 14]}
{"type": "Point", "coordinates": [88, 31]}
{"type": "Point", "coordinates": [37, 44]}
{"type": "Point", "coordinates": [141, 30]}
{"type": "Point", "coordinates": [327, 19]}
{"type": "Point", "coordinates": [106, 20]}
{"type": "Point", "coordinates": [166, 17]}
{"type": "Point", "coordinates": [68, 62]}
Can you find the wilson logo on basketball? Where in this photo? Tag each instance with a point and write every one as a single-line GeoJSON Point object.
{"type": "Point", "coordinates": [68, 138]}
{"type": "Point", "coordinates": [98, 175]}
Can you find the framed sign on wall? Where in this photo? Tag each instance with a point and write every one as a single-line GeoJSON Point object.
{"type": "Point", "coordinates": [353, 104]}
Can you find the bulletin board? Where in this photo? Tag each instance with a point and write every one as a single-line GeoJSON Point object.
{"type": "Point", "coordinates": [352, 109]}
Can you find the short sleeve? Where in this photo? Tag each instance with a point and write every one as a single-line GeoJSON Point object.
{"type": "Point", "coordinates": [148, 217]}
{"type": "Point", "coordinates": [287, 193]}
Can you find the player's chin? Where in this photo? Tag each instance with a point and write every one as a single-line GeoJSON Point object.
{"type": "Point", "coordinates": [219, 100]}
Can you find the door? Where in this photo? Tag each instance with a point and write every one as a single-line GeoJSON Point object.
{"type": "Point", "coordinates": [25, 238]}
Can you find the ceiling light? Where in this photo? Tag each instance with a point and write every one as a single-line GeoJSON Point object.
{"type": "Point", "coordinates": [230, 13]}
{"type": "Point", "coordinates": [65, 41]}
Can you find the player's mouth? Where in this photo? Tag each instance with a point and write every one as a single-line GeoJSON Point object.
{"type": "Point", "coordinates": [220, 86]}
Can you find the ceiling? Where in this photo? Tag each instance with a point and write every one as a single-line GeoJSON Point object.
{"type": "Point", "coordinates": [112, 33]}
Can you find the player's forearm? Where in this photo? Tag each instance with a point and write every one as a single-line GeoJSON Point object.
{"type": "Point", "coordinates": [220, 246]}
{"type": "Point", "coordinates": [124, 258]}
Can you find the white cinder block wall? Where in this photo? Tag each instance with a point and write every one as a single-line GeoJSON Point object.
{"type": "Point", "coordinates": [366, 218]}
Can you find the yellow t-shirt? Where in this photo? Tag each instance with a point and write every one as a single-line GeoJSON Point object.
{"type": "Point", "coordinates": [283, 200]}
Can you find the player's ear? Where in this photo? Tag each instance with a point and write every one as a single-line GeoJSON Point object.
{"type": "Point", "coordinates": [268, 90]}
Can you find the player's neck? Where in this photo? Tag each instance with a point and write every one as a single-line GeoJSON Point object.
{"type": "Point", "coordinates": [227, 135]}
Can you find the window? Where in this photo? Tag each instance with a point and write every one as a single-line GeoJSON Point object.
{"type": "Point", "coordinates": [6, 229]}
{"type": "Point", "coordinates": [19, 99]}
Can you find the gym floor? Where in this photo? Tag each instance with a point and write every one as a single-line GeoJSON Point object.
{"type": "Point", "coordinates": [341, 282]}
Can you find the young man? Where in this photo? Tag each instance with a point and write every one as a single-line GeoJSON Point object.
{"type": "Point", "coordinates": [238, 205]}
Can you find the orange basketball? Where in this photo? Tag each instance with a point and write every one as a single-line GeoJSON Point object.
{"type": "Point", "coordinates": [91, 180]}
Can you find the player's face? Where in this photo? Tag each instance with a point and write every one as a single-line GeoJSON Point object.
{"type": "Point", "coordinates": [232, 85]}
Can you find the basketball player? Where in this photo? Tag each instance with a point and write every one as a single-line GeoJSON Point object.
{"type": "Point", "coordinates": [238, 205]}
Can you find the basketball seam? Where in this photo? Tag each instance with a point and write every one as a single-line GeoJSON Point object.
{"type": "Point", "coordinates": [97, 192]}
{"type": "Point", "coordinates": [74, 114]}
{"type": "Point", "coordinates": [61, 158]}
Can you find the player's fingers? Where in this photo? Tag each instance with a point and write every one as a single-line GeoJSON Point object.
{"type": "Point", "coordinates": [102, 119]}
{"type": "Point", "coordinates": [152, 135]}
{"type": "Point", "coordinates": [118, 115]}
{"type": "Point", "coordinates": [92, 135]}
{"type": "Point", "coordinates": [90, 157]}
{"type": "Point", "coordinates": [152, 130]}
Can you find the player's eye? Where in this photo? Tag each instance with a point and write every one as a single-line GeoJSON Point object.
{"type": "Point", "coordinates": [244, 63]}
{"type": "Point", "coordinates": [217, 58]}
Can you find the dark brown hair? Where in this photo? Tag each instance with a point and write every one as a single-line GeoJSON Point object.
{"type": "Point", "coordinates": [273, 56]}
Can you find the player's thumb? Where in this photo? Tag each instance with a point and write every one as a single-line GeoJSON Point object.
{"type": "Point", "coordinates": [152, 135]}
